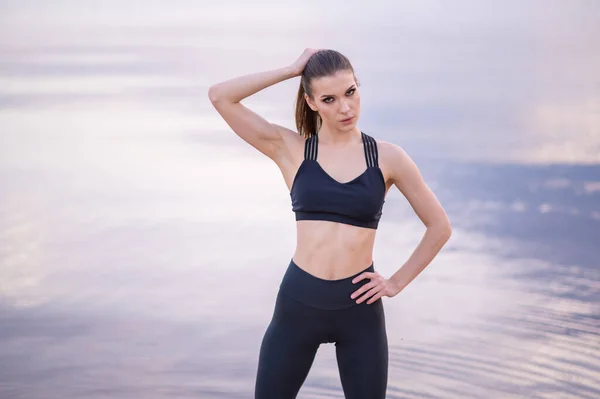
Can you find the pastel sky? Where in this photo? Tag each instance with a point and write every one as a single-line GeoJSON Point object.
{"type": "Point", "coordinates": [508, 81]}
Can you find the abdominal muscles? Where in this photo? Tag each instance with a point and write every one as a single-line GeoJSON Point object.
{"type": "Point", "coordinates": [331, 250]}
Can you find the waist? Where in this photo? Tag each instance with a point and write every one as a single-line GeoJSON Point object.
{"type": "Point", "coordinates": [319, 293]}
{"type": "Point", "coordinates": [333, 250]}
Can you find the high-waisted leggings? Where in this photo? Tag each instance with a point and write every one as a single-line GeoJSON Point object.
{"type": "Point", "coordinates": [310, 311]}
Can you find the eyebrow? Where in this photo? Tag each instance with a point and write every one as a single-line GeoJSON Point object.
{"type": "Point", "coordinates": [333, 95]}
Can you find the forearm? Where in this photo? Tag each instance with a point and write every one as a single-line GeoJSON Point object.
{"type": "Point", "coordinates": [236, 89]}
{"type": "Point", "coordinates": [433, 240]}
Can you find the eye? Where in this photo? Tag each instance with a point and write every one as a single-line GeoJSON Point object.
{"type": "Point", "coordinates": [349, 92]}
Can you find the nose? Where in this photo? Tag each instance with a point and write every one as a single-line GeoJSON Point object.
{"type": "Point", "coordinates": [344, 107]}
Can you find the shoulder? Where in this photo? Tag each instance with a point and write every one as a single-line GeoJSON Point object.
{"type": "Point", "coordinates": [391, 153]}
{"type": "Point", "coordinates": [395, 160]}
{"type": "Point", "coordinates": [387, 149]}
{"type": "Point", "coordinates": [384, 148]}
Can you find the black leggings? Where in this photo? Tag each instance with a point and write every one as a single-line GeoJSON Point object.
{"type": "Point", "coordinates": [310, 311]}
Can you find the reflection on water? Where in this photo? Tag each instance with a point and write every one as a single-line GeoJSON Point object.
{"type": "Point", "coordinates": [141, 243]}
{"type": "Point", "coordinates": [156, 309]}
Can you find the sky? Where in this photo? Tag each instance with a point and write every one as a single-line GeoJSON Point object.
{"type": "Point", "coordinates": [485, 81]}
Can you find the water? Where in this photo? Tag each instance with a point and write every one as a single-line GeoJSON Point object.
{"type": "Point", "coordinates": [142, 243]}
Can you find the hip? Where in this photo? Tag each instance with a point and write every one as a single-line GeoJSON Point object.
{"type": "Point", "coordinates": [316, 292]}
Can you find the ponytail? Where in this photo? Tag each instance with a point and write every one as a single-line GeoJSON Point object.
{"type": "Point", "coordinates": [307, 120]}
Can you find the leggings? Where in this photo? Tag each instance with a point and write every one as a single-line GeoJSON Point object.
{"type": "Point", "coordinates": [310, 311]}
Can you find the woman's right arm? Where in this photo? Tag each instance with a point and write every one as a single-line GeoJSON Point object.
{"type": "Point", "coordinates": [268, 138]}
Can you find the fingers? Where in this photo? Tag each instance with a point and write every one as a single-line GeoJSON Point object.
{"type": "Point", "coordinates": [375, 297]}
{"type": "Point", "coordinates": [362, 289]}
{"type": "Point", "coordinates": [364, 275]}
{"type": "Point", "coordinates": [375, 286]}
{"type": "Point", "coordinates": [370, 293]}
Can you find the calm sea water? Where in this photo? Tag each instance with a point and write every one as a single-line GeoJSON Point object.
{"type": "Point", "coordinates": [142, 242]}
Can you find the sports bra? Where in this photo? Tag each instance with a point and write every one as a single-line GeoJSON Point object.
{"type": "Point", "coordinates": [318, 196]}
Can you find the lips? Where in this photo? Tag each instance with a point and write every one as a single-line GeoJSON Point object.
{"type": "Point", "coordinates": [347, 119]}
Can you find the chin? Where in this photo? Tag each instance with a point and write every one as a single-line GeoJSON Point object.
{"type": "Point", "coordinates": [349, 127]}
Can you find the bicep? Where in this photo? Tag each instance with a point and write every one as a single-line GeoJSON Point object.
{"type": "Point", "coordinates": [407, 177]}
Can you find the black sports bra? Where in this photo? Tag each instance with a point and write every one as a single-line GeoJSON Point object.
{"type": "Point", "coordinates": [317, 196]}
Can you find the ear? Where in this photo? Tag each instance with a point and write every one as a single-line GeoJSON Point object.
{"type": "Point", "coordinates": [310, 104]}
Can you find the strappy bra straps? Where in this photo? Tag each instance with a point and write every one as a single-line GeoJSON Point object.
{"type": "Point", "coordinates": [311, 148]}
{"type": "Point", "coordinates": [371, 154]}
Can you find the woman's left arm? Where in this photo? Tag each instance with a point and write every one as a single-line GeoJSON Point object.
{"type": "Point", "coordinates": [402, 171]}
{"type": "Point", "coordinates": [405, 175]}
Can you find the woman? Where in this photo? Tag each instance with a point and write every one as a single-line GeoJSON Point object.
{"type": "Point", "coordinates": [338, 178]}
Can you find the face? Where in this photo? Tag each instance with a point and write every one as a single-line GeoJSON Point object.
{"type": "Point", "coordinates": [336, 98]}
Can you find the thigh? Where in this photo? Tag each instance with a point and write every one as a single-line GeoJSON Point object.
{"type": "Point", "coordinates": [287, 351]}
{"type": "Point", "coordinates": [362, 352]}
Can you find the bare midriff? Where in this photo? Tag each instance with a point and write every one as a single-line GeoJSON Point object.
{"type": "Point", "coordinates": [331, 250]}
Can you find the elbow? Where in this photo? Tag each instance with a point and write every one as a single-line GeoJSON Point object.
{"type": "Point", "coordinates": [213, 94]}
{"type": "Point", "coordinates": [217, 96]}
{"type": "Point", "coordinates": [443, 230]}
{"type": "Point", "coordinates": [446, 230]}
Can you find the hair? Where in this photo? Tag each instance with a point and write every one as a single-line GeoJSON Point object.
{"type": "Point", "coordinates": [322, 63]}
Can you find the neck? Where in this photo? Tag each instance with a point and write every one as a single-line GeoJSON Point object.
{"type": "Point", "coordinates": [337, 137]}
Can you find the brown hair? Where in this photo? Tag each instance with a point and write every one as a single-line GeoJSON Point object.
{"type": "Point", "coordinates": [322, 63]}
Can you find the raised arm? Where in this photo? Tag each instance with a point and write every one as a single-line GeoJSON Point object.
{"type": "Point", "coordinates": [269, 138]}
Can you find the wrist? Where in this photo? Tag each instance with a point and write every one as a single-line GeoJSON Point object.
{"type": "Point", "coordinates": [396, 285]}
{"type": "Point", "coordinates": [292, 71]}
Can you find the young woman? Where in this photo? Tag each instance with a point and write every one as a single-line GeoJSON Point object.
{"type": "Point", "coordinates": [338, 178]}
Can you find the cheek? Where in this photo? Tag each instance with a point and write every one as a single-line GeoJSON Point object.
{"type": "Point", "coordinates": [327, 111]}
